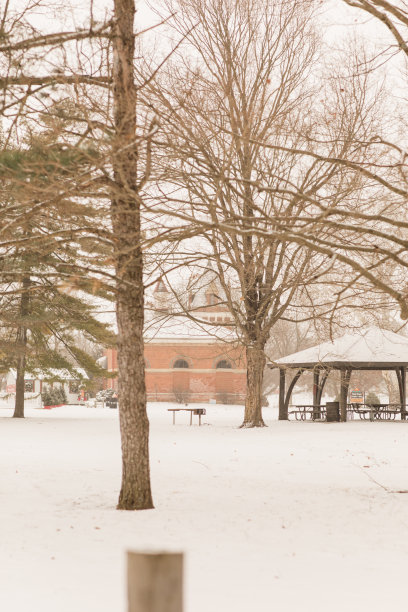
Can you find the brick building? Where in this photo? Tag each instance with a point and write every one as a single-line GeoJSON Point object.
{"type": "Point", "coordinates": [190, 361]}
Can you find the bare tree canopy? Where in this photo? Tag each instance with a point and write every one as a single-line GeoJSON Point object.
{"type": "Point", "coordinates": [394, 15]}
{"type": "Point", "coordinates": [251, 155]}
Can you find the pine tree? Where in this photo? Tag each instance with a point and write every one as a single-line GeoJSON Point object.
{"type": "Point", "coordinates": [45, 294]}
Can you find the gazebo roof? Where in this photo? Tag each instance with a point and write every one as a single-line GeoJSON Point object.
{"type": "Point", "coordinates": [370, 348]}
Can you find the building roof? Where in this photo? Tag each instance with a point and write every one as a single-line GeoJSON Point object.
{"type": "Point", "coordinates": [371, 348]}
{"type": "Point", "coordinates": [161, 287]}
{"type": "Point", "coordinates": [203, 284]}
{"type": "Point", "coordinates": [181, 328]}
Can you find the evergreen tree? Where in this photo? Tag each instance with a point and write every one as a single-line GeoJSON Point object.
{"type": "Point", "coordinates": [45, 292]}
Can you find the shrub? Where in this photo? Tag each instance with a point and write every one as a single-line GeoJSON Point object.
{"type": "Point", "coordinates": [224, 397]}
{"type": "Point", "coordinates": [60, 396]}
{"type": "Point", "coordinates": [46, 397]}
{"type": "Point", "coordinates": [182, 396]}
{"type": "Point", "coordinates": [372, 399]}
{"type": "Point", "coordinates": [54, 397]}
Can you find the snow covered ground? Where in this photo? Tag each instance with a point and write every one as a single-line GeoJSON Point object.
{"type": "Point", "coordinates": [296, 516]}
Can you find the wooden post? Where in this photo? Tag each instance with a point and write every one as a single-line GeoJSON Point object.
{"type": "Point", "coordinates": [155, 582]}
{"type": "Point", "coordinates": [283, 411]}
{"type": "Point", "coordinates": [316, 407]}
{"type": "Point", "coordinates": [403, 394]}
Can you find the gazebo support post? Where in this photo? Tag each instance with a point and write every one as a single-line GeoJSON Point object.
{"type": "Point", "coordinates": [344, 385]}
{"type": "Point", "coordinates": [283, 410]}
{"type": "Point", "coordinates": [400, 372]}
{"type": "Point", "coordinates": [321, 386]}
{"type": "Point", "coordinates": [399, 380]}
{"type": "Point", "coordinates": [290, 389]}
{"type": "Point", "coordinates": [316, 406]}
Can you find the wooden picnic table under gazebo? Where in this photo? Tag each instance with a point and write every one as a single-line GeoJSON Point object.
{"type": "Point", "coordinates": [367, 349]}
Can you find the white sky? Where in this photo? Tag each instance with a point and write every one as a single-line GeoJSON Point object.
{"type": "Point", "coordinates": [338, 18]}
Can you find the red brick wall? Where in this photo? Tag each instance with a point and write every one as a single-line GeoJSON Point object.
{"type": "Point", "coordinates": [202, 381]}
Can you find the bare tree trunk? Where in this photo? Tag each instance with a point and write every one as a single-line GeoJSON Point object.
{"type": "Point", "coordinates": [135, 491]}
{"type": "Point", "coordinates": [21, 342]}
{"type": "Point", "coordinates": [253, 403]}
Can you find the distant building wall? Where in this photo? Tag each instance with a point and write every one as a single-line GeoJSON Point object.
{"type": "Point", "coordinates": [182, 358]}
{"type": "Point", "coordinates": [201, 381]}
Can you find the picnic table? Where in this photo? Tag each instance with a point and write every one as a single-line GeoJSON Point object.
{"type": "Point", "coordinates": [380, 412]}
{"type": "Point", "coordinates": [383, 412]}
{"type": "Point", "coordinates": [193, 411]}
{"type": "Point", "coordinates": [309, 412]}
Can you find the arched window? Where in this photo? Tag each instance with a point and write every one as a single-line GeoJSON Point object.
{"type": "Point", "coordinates": [180, 363]}
{"type": "Point", "coordinates": [224, 364]}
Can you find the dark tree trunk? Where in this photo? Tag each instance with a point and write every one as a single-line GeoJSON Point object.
{"type": "Point", "coordinates": [21, 344]}
{"type": "Point", "coordinates": [19, 403]}
{"type": "Point", "coordinates": [344, 386]}
{"type": "Point", "coordinates": [253, 403]}
{"type": "Point", "coordinates": [135, 491]}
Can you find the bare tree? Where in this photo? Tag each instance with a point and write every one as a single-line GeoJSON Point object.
{"type": "Point", "coordinates": [235, 111]}
{"type": "Point", "coordinates": [135, 491]}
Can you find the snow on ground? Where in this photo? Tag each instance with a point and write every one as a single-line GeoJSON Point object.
{"type": "Point", "coordinates": [297, 516]}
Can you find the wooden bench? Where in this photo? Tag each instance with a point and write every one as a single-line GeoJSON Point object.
{"type": "Point", "coordinates": [196, 411]}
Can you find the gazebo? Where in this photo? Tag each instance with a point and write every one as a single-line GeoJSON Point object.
{"type": "Point", "coordinates": [368, 349]}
